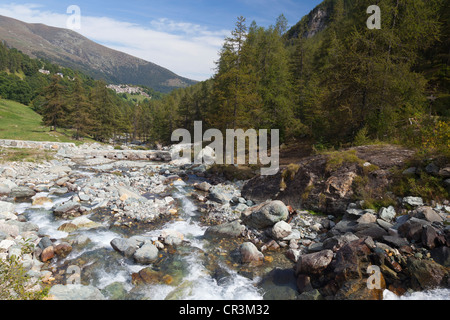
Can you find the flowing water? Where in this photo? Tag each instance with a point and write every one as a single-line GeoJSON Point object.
{"type": "Point", "coordinates": [435, 294]}
{"type": "Point", "coordinates": [196, 270]}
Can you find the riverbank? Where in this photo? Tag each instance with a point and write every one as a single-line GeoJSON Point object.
{"type": "Point", "coordinates": [123, 229]}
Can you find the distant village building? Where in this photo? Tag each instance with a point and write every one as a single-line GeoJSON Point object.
{"type": "Point", "coordinates": [123, 88]}
{"type": "Point", "coordinates": [44, 71]}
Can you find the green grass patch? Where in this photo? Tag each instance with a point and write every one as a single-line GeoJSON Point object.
{"type": "Point", "coordinates": [20, 122]}
{"type": "Point", "coordinates": [26, 155]}
{"type": "Point", "coordinates": [335, 159]}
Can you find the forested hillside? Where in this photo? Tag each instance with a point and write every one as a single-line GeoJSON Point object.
{"type": "Point", "coordinates": [67, 99]}
{"type": "Point", "coordinates": [329, 79]}
{"type": "Point", "coordinates": [339, 84]}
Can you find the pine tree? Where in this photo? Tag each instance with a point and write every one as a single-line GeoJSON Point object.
{"type": "Point", "coordinates": [106, 114]}
{"type": "Point", "coordinates": [54, 110]}
{"type": "Point", "coordinates": [229, 81]}
{"type": "Point", "coordinates": [81, 111]}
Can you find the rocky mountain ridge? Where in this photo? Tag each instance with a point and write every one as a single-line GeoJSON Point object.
{"type": "Point", "coordinates": [72, 50]}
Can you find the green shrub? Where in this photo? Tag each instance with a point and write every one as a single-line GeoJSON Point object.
{"type": "Point", "coordinates": [335, 159]}
{"type": "Point", "coordinates": [290, 173]}
{"type": "Point", "coordinates": [361, 137]}
{"type": "Point", "coordinates": [422, 185]}
{"type": "Point", "coordinates": [15, 284]}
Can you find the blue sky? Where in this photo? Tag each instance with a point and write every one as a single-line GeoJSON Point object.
{"type": "Point", "coordinates": [181, 35]}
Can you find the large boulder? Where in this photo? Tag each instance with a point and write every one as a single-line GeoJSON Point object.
{"type": "Point", "coordinates": [225, 230]}
{"type": "Point", "coordinates": [314, 263]}
{"type": "Point", "coordinates": [387, 214]}
{"type": "Point", "coordinates": [281, 230]}
{"type": "Point", "coordinates": [221, 194]}
{"type": "Point", "coordinates": [85, 223]}
{"type": "Point", "coordinates": [372, 230]}
{"type": "Point", "coordinates": [427, 274]}
{"type": "Point", "coordinates": [146, 254]}
{"type": "Point", "coordinates": [427, 213]}
{"type": "Point", "coordinates": [412, 229]}
{"type": "Point", "coordinates": [126, 247]}
{"type": "Point", "coordinates": [66, 209]}
{"type": "Point", "coordinates": [265, 215]}
{"type": "Point", "coordinates": [413, 201]}
{"type": "Point", "coordinates": [326, 182]}
{"type": "Point", "coordinates": [250, 253]}
{"type": "Point", "coordinates": [22, 192]}
{"type": "Point", "coordinates": [349, 261]}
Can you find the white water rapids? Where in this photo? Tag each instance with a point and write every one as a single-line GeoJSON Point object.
{"type": "Point", "coordinates": [198, 284]}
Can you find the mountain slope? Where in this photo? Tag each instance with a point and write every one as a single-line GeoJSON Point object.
{"type": "Point", "coordinates": [72, 50]}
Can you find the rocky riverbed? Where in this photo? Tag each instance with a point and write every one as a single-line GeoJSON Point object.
{"type": "Point", "coordinates": [122, 229]}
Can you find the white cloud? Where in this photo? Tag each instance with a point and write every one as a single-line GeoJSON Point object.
{"type": "Point", "coordinates": [187, 49]}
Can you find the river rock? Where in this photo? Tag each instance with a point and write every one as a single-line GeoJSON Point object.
{"type": "Point", "coordinates": [279, 284]}
{"type": "Point", "coordinates": [395, 241]}
{"type": "Point", "coordinates": [45, 242]}
{"type": "Point", "coordinates": [10, 230]}
{"type": "Point", "coordinates": [426, 274]}
{"type": "Point", "coordinates": [115, 291]}
{"type": "Point", "coordinates": [413, 201]}
{"type": "Point", "coordinates": [220, 194]}
{"type": "Point", "coordinates": [387, 214]}
{"type": "Point", "coordinates": [431, 237]}
{"type": "Point", "coordinates": [250, 253]}
{"type": "Point", "coordinates": [60, 170]}
{"type": "Point", "coordinates": [22, 192]}
{"type": "Point", "coordinates": [370, 229]}
{"type": "Point", "coordinates": [171, 233]}
{"type": "Point", "coordinates": [67, 227]}
{"type": "Point", "coordinates": [75, 292]}
{"type": "Point", "coordinates": [172, 241]}
{"type": "Point", "coordinates": [47, 254]}
{"type": "Point", "coordinates": [293, 254]}
{"type": "Point", "coordinates": [204, 186]}
{"type": "Point", "coordinates": [65, 209]}
{"type": "Point", "coordinates": [63, 249]}
{"type": "Point", "coordinates": [345, 226]}
{"type": "Point", "coordinates": [146, 254]}
{"type": "Point", "coordinates": [59, 191]}
{"type": "Point", "coordinates": [338, 241]}
{"type": "Point", "coordinates": [441, 255]}
{"type": "Point", "coordinates": [367, 218]}
{"type": "Point", "coordinates": [7, 207]}
{"type": "Point", "coordinates": [412, 229]}
{"type": "Point", "coordinates": [281, 230]}
{"type": "Point", "coordinates": [350, 265]}
{"type": "Point", "coordinates": [313, 263]}
{"type": "Point", "coordinates": [6, 244]}
{"type": "Point", "coordinates": [125, 246]}
{"type": "Point", "coordinates": [427, 213]}
{"type": "Point", "coordinates": [85, 223]}
{"type": "Point", "coordinates": [226, 230]}
{"type": "Point", "coordinates": [354, 213]}
{"type": "Point", "coordinates": [4, 189]}
{"type": "Point", "coordinates": [41, 201]}
{"type": "Point", "coordinates": [125, 194]}
{"type": "Point", "coordinates": [265, 215]}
